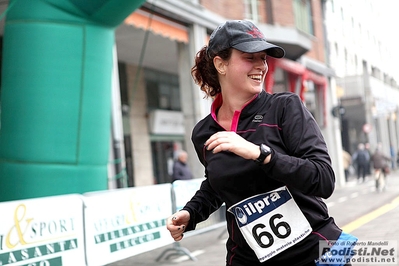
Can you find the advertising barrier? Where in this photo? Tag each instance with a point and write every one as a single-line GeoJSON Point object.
{"type": "Point", "coordinates": [96, 228]}
{"type": "Point", "coordinates": [182, 192]}
{"type": "Point", "coordinates": [126, 222]}
{"type": "Point", "coordinates": [42, 232]}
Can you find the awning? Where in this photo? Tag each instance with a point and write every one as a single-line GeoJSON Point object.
{"type": "Point", "coordinates": [300, 70]}
{"type": "Point", "coordinates": [158, 25]}
{"type": "Point", "coordinates": [290, 66]}
{"type": "Point", "coordinates": [297, 72]}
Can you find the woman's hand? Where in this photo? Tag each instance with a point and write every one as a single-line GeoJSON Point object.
{"type": "Point", "coordinates": [177, 223]}
{"type": "Point", "coordinates": [230, 141]}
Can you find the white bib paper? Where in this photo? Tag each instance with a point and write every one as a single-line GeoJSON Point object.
{"type": "Point", "coordinates": [271, 222]}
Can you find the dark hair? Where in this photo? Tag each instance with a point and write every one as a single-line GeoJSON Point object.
{"type": "Point", "coordinates": [204, 72]}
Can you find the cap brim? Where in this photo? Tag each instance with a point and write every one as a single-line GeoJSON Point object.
{"type": "Point", "coordinates": [258, 46]}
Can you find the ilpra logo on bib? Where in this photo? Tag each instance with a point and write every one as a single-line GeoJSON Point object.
{"type": "Point", "coordinates": [271, 222]}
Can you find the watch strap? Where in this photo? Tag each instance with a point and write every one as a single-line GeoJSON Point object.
{"type": "Point", "coordinates": [264, 152]}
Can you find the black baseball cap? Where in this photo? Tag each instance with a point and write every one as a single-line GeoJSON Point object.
{"type": "Point", "coordinates": [242, 35]}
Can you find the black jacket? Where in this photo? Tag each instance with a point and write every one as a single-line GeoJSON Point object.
{"type": "Point", "coordinates": [300, 161]}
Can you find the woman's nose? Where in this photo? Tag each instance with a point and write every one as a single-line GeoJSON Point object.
{"type": "Point", "coordinates": [262, 65]}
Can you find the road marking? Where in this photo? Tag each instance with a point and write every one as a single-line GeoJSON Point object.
{"type": "Point", "coordinates": [370, 216]}
{"type": "Point", "coordinates": [342, 199]}
{"type": "Point", "coordinates": [330, 204]}
{"type": "Point", "coordinates": [185, 257]}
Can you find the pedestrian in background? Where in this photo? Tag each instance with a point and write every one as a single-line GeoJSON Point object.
{"type": "Point", "coordinates": [347, 161]}
{"type": "Point", "coordinates": [368, 167]}
{"type": "Point", "coordinates": [381, 165]}
{"type": "Point", "coordinates": [361, 159]}
{"type": "Point", "coordinates": [392, 151]}
{"type": "Point", "coordinates": [258, 149]}
{"type": "Point", "coordinates": [181, 171]}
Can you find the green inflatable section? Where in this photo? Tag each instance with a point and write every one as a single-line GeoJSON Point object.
{"type": "Point", "coordinates": [56, 95]}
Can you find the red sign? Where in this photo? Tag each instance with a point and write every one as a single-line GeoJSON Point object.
{"type": "Point", "coordinates": [367, 128]}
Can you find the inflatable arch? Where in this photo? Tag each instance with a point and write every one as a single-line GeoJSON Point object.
{"type": "Point", "coordinates": [56, 95]}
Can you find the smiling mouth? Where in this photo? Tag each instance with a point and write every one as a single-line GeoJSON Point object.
{"type": "Point", "coordinates": [256, 77]}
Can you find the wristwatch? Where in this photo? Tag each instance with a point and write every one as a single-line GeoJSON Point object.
{"type": "Point", "coordinates": [264, 152]}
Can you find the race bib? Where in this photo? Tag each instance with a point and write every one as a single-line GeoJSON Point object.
{"type": "Point", "coordinates": [271, 222]}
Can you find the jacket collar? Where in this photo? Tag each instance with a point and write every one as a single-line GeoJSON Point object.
{"type": "Point", "coordinates": [217, 102]}
{"type": "Point", "coordinates": [247, 110]}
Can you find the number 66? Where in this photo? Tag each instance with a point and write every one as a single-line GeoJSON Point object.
{"type": "Point", "coordinates": [275, 229]}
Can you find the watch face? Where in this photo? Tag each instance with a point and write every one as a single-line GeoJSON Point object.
{"type": "Point", "coordinates": [264, 152]}
{"type": "Point", "coordinates": [265, 148]}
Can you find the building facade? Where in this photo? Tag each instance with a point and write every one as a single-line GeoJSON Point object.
{"type": "Point", "coordinates": [361, 52]}
{"type": "Point", "coordinates": [156, 46]}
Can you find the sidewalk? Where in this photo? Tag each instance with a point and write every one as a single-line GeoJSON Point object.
{"type": "Point", "coordinates": [357, 208]}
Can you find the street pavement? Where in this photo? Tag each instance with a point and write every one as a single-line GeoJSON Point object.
{"type": "Point", "coordinates": [357, 208]}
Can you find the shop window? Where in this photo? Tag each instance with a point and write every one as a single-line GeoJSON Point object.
{"type": "Point", "coordinates": [123, 83]}
{"type": "Point", "coordinates": [162, 153]}
{"type": "Point", "coordinates": [162, 91]}
{"type": "Point", "coordinates": [123, 86]}
{"type": "Point", "coordinates": [314, 102]}
{"type": "Point", "coordinates": [280, 81]}
{"type": "Point", "coordinates": [163, 156]}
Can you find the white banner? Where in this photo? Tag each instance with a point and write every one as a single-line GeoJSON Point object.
{"type": "Point", "coordinates": [166, 122]}
{"type": "Point", "coordinates": [184, 190]}
{"type": "Point", "coordinates": [42, 232]}
{"type": "Point", "coordinates": [125, 222]}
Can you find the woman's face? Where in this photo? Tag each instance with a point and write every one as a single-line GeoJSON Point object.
{"type": "Point", "coordinates": [245, 72]}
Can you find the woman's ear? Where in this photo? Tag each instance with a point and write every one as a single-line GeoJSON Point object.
{"type": "Point", "coordinates": [219, 65]}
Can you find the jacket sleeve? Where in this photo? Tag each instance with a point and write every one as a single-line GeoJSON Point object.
{"type": "Point", "coordinates": [205, 201]}
{"type": "Point", "coordinates": [202, 205]}
{"type": "Point", "coordinates": [302, 160]}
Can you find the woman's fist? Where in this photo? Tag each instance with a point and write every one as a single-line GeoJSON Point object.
{"type": "Point", "coordinates": [177, 223]}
